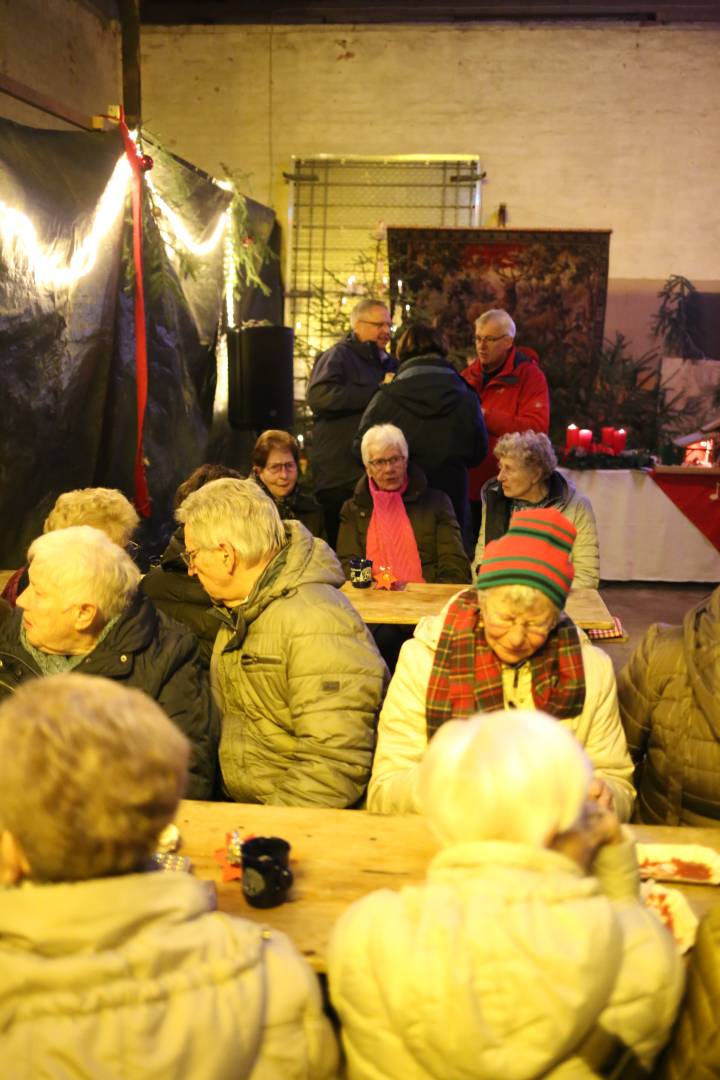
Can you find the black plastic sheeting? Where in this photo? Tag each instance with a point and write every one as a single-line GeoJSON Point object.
{"type": "Point", "coordinates": [68, 413]}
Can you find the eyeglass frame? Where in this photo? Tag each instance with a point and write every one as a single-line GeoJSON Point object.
{"type": "Point", "coordinates": [280, 466]}
{"type": "Point", "coordinates": [188, 557]}
{"type": "Point", "coordinates": [374, 322]}
{"type": "Point", "coordinates": [387, 463]}
{"type": "Point", "coordinates": [490, 338]}
{"type": "Point", "coordinates": [529, 631]}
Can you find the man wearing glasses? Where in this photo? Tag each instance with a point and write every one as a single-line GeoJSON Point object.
{"type": "Point", "coordinates": [344, 379]}
{"type": "Point", "coordinates": [513, 392]}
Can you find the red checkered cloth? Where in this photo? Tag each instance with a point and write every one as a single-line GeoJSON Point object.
{"type": "Point", "coordinates": [610, 633]}
{"type": "Point", "coordinates": [466, 675]}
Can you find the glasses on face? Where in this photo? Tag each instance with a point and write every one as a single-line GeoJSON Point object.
{"type": "Point", "coordinates": [489, 339]}
{"type": "Point", "coordinates": [281, 467]}
{"type": "Point", "coordinates": [373, 322]}
{"type": "Point", "coordinates": [189, 557]}
{"type": "Point", "coordinates": [504, 623]}
{"type": "Point", "coordinates": [386, 462]}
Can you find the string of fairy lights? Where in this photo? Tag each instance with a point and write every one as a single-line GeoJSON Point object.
{"type": "Point", "coordinates": [51, 267]}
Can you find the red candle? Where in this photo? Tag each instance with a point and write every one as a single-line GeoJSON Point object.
{"type": "Point", "coordinates": [619, 440]}
{"type": "Point", "coordinates": [571, 436]}
{"type": "Point", "coordinates": [607, 437]}
{"type": "Point", "coordinates": [585, 438]}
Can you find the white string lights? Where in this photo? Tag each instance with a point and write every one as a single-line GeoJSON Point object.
{"type": "Point", "coordinates": [50, 267]}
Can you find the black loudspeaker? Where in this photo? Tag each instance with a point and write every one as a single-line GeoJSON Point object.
{"type": "Point", "coordinates": [260, 377]}
{"type": "Point", "coordinates": [703, 321]}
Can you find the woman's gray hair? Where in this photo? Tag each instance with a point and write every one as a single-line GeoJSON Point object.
{"type": "Point", "coordinates": [236, 512]}
{"type": "Point", "coordinates": [88, 568]}
{"type": "Point", "coordinates": [90, 774]}
{"type": "Point", "coordinates": [517, 776]}
{"type": "Point", "coordinates": [532, 449]}
{"type": "Point", "coordinates": [106, 509]}
{"type": "Point", "coordinates": [380, 436]}
{"type": "Point", "coordinates": [500, 317]}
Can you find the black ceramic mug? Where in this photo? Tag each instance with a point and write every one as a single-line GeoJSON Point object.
{"type": "Point", "coordinates": [266, 876]}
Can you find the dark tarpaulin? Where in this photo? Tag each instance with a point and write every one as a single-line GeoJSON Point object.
{"type": "Point", "coordinates": [68, 352]}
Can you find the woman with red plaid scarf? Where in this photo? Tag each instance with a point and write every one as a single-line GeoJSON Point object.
{"type": "Point", "coordinates": [506, 644]}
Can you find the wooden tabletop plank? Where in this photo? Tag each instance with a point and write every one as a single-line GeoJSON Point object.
{"type": "Point", "coordinates": [407, 606]}
{"type": "Point", "coordinates": [337, 856]}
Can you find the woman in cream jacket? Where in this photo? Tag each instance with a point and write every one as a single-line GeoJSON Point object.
{"type": "Point", "coordinates": [510, 961]}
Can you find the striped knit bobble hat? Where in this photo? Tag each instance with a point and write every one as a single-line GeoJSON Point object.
{"type": "Point", "coordinates": [535, 551]}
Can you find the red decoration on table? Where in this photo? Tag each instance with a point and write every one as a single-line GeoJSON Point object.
{"type": "Point", "coordinates": [142, 495]}
{"type": "Point", "coordinates": [585, 438]}
{"type": "Point", "coordinates": [230, 871]}
{"type": "Point", "coordinates": [696, 496]}
{"type": "Point", "coordinates": [572, 434]}
{"type": "Point", "coordinates": [384, 578]}
{"type": "Point", "coordinates": [146, 162]}
{"type": "Point", "coordinates": [620, 440]}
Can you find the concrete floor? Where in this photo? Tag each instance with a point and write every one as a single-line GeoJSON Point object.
{"type": "Point", "coordinates": [638, 606]}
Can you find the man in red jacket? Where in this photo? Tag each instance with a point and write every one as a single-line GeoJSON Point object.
{"type": "Point", "coordinates": [513, 392]}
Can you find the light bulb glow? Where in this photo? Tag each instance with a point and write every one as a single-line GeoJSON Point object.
{"type": "Point", "coordinates": [180, 230]}
{"type": "Point", "coordinates": [49, 267]}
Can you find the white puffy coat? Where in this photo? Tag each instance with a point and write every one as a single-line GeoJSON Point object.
{"type": "Point", "coordinates": [500, 966]}
{"type": "Point", "coordinates": [402, 733]}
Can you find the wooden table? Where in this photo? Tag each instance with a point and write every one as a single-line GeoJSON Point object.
{"type": "Point", "coordinates": [408, 605]}
{"type": "Point", "coordinates": [340, 855]}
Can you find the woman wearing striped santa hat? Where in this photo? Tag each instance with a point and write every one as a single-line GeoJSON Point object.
{"type": "Point", "coordinates": [506, 644]}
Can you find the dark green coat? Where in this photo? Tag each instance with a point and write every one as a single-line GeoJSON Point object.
{"type": "Point", "coordinates": [149, 652]}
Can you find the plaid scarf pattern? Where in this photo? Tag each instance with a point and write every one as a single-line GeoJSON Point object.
{"type": "Point", "coordinates": [466, 675]}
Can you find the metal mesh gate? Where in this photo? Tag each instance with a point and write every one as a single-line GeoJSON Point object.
{"type": "Point", "coordinates": [339, 212]}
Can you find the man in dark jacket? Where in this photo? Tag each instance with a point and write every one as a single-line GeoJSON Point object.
{"type": "Point", "coordinates": [82, 613]}
{"type": "Point", "coordinates": [438, 414]}
{"type": "Point", "coordinates": [343, 380]}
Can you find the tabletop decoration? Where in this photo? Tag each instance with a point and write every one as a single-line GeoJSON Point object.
{"type": "Point", "coordinates": [384, 578]}
{"type": "Point", "coordinates": [230, 856]}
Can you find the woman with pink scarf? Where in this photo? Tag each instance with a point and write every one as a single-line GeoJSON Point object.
{"type": "Point", "coordinates": [398, 522]}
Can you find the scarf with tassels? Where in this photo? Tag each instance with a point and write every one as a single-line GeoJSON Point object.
{"type": "Point", "coordinates": [466, 675]}
{"type": "Point", "coordinates": [390, 539]}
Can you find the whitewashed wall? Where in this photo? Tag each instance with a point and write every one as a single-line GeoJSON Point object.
{"type": "Point", "coordinates": [63, 49]}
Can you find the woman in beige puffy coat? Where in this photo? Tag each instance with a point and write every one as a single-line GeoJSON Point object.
{"type": "Point", "coordinates": [528, 478]}
{"type": "Point", "coordinates": [669, 694]}
{"type": "Point", "coordinates": [510, 960]}
{"type": "Point", "coordinates": [110, 969]}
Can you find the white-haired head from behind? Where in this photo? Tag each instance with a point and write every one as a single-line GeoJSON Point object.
{"type": "Point", "coordinates": [517, 776]}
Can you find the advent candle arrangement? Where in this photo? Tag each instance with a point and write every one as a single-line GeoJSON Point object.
{"type": "Point", "coordinates": [612, 440]}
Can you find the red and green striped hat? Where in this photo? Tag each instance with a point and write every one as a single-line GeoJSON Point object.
{"type": "Point", "coordinates": [535, 551]}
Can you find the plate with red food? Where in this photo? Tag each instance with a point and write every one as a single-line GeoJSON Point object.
{"type": "Point", "coordinates": [689, 863]}
{"type": "Point", "coordinates": [673, 910]}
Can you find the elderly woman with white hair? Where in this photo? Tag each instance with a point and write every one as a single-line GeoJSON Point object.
{"type": "Point", "coordinates": [506, 643]}
{"type": "Point", "coordinates": [396, 520]}
{"type": "Point", "coordinates": [527, 952]}
{"type": "Point", "coordinates": [108, 970]}
{"type": "Point", "coordinates": [81, 612]}
{"type": "Point", "coordinates": [528, 478]}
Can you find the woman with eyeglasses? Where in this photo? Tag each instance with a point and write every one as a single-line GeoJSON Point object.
{"type": "Point", "coordinates": [505, 644]}
{"type": "Point", "coordinates": [397, 521]}
{"type": "Point", "coordinates": [276, 469]}
{"type": "Point", "coordinates": [437, 412]}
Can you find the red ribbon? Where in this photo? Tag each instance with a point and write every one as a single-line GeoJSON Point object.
{"type": "Point", "coordinates": [142, 495]}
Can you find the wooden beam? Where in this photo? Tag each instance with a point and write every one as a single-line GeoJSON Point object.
{"type": "Point", "coordinates": [22, 92]}
{"type": "Point", "coordinates": [130, 43]}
